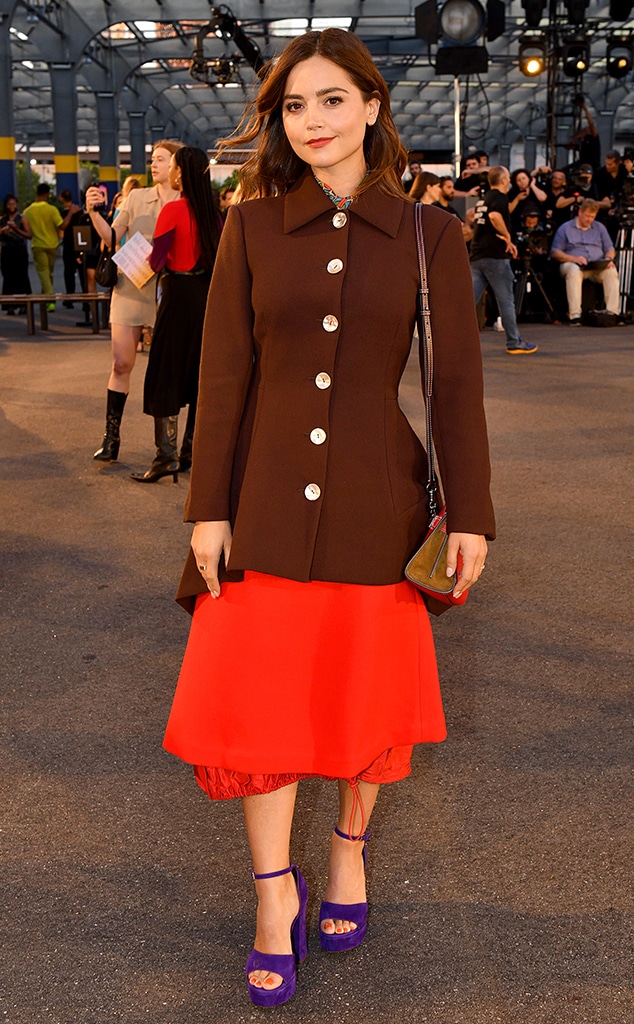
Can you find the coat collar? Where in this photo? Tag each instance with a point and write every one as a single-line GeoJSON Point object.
{"type": "Point", "coordinates": [306, 201]}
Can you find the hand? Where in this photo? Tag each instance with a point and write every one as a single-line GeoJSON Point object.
{"type": "Point", "coordinates": [579, 260]}
{"type": "Point", "coordinates": [94, 197]}
{"type": "Point", "coordinates": [209, 541]}
{"type": "Point", "coordinates": [510, 246]}
{"type": "Point", "coordinates": [473, 549]}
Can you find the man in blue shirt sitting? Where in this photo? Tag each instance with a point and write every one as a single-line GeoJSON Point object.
{"type": "Point", "coordinates": [584, 248]}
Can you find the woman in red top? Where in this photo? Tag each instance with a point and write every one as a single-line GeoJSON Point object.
{"type": "Point", "coordinates": [185, 243]}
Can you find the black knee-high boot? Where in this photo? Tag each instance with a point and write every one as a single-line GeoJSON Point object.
{"type": "Point", "coordinates": [185, 457]}
{"type": "Point", "coordinates": [165, 462]}
{"type": "Point", "coordinates": [109, 450]}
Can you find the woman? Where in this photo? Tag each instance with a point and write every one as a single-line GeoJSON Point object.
{"type": "Point", "coordinates": [426, 188]}
{"type": "Point", "coordinates": [14, 255]}
{"type": "Point", "coordinates": [524, 192]}
{"type": "Point", "coordinates": [185, 243]}
{"type": "Point", "coordinates": [131, 307]}
{"type": "Point", "coordinates": [309, 654]}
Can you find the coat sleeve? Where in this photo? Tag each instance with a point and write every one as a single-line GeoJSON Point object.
{"type": "Point", "coordinates": [459, 425]}
{"type": "Point", "coordinates": [225, 373]}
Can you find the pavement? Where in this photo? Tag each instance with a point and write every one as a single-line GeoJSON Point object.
{"type": "Point", "coordinates": [500, 873]}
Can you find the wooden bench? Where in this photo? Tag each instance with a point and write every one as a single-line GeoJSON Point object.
{"type": "Point", "coordinates": [94, 300]}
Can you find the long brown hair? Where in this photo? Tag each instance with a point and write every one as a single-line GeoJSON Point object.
{"type": "Point", "coordinates": [274, 166]}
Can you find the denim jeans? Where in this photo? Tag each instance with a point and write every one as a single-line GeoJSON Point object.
{"type": "Point", "coordinates": [498, 275]}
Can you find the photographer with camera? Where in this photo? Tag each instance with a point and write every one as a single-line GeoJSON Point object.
{"type": "Point", "coordinates": [524, 193]}
{"type": "Point", "coordinates": [582, 187]}
{"type": "Point", "coordinates": [584, 249]}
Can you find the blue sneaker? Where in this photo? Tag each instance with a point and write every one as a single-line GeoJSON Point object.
{"type": "Point", "coordinates": [521, 347]}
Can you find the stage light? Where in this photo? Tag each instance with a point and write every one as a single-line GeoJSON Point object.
{"type": "Point", "coordinates": [576, 57]}
{"type": "Point", "coordinates": [459, 26]}
{"type": "Point", "coordinates": [620, 56]}
{"type": "Point", "coordinates": [462, 22]}
{"type": "Point", "coordinates": [534, 10]}
{"type": "Point", "coordinates": [576, 10]}
{"type": "Point", "coordinates": [532, 55]}
{"type": "Point", "coordinates": [620, 10]}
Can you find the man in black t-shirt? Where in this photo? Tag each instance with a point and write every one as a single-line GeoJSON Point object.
{"type": "Point", "coordinates": [491, 251]}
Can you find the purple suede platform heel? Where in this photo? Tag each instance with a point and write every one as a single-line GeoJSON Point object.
{"type": "Point", "coordinates": [355, 912]}
{"type": "Point", "coordinates": [284, 964]}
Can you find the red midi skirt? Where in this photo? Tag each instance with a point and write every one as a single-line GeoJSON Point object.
{"type": "Point", "coordinates": [283, 680]}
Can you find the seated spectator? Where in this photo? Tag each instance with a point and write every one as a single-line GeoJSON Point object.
{"type": "Point", "coordinates": [426, 188]}
{"type": "Point", "coordinates": [524, 193]}
{"type": "Point", "coordinates": [584, 249]}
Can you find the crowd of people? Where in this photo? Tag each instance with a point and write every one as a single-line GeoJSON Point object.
{"type": "Point", "coordinates": [561, 226]}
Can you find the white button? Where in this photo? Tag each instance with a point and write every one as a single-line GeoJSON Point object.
{"type": "Point", "coordinates": [340, 219]}
{"type": "Point", "coordinates": [312, 492]}
{"type": "Point", "coordinates": [330, 323]}
{"type": "Point", "coordinates": [335, 266]}
{"type": "Point", "coordinates": [322, 380]}
{"type": "Point", "coordinates": [318, 436]}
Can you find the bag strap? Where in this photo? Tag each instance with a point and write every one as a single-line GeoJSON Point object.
{"type": "Point", "coordinates": [423, 319]}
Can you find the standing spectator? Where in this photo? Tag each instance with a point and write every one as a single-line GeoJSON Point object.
{"type": "Point", "coordinates": [447, 192]}
{"type": "Point", "coordinates": [131, 308]}
{"type": "Point", "coordinates": [579, 188]}
{"type": "Point", "coordinates": [609, 182]}
{"type": "Point", "coordinates": [413, 168]}
{"type": "Point", "coordinates": [225, 199]}
{"type": "Point", "coordinates": [69, 256]}
{"type": "Point", "coordinates": [555, 188]}
{"type": "Point", "coordinates": [14, 256]}
{"type": "Point", "coordinates": [47, 227]}
{"type": "Point", "coordinates": [185, 243]}
{"type": "Point", "coordinates": [584, 249]}
{"type": "Point", "coordinates": [426, 188]}
{"type": "Point", "coordinates": [524, 193]}
{"type": "Point", "coordinates": [492, 248]}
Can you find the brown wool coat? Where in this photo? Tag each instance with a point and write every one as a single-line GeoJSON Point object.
{"type": "Point", "coordinates": [299, 439]}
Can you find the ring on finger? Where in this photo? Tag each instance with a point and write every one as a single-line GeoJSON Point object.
{"type": "Point", "coordinates": [203, 568]}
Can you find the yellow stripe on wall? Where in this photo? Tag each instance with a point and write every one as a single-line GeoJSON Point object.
{"type": "Point", "coordinates": [108, 173]}
{"type": "Point", "coordinates": [7, 147]}
{"type": "Point", "coordinates": [67, 164]}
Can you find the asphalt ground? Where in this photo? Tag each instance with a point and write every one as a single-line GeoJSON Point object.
{"type": "Point", "coordinates": [500, 872]}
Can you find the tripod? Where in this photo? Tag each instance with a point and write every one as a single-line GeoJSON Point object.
{"type": "Point", "coordinates": [524, 281]}
{"type": "Point", "coordinates": [625, 250]}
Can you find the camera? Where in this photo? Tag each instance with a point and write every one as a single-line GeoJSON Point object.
{"type": "Point", "coordinates": [102, 208]}
{"type": "Point", "coordinates": [543, 179]}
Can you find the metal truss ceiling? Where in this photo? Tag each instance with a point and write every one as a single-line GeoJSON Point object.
{"type": "Point", "coordinates": [503, 106]}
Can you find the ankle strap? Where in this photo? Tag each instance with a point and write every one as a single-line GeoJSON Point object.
{"type": "Point", "coordinates": [272, 874]}
{"type": "Point", "coordinates": [365, 838]}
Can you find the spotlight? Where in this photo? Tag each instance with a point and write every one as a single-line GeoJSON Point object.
{"type": "Point", "coordinates": [462, 22]}
{"type": "Point", "coordinates": [576, 10]}
{"type": "Point", "coordinates": [620, 56]}
{"type": "Point", "coordinates": [532, 55]}
{"type": "Point", "coordinates": [459, 25]}
{"type": "Point", "coordinates": [620, 10]}
{"type": "Point", "coordinates": [576, 57]}
{"type": "Point", "coordinates": [534, 10]}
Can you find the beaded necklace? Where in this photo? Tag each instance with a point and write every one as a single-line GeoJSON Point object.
{"type": "Point", "coordinates": [341, 202]}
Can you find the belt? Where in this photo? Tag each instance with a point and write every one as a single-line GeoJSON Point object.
{"type": "Point", "coordinates": [187, 273]}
